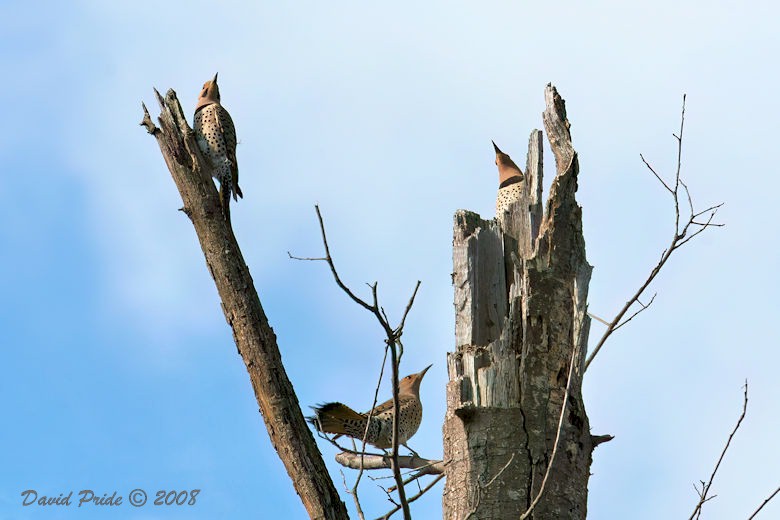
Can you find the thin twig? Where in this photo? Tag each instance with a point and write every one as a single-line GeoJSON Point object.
{"type": "Point", "coordinates": [344, 449]}
{"type": "Point", "coordinates": [354, 492]}
{"type": "Point", "coordinates": [765, 502]}
{"type": "Point", "coordinates": [413, 497]}
{"type": "Point", "coordinates": [680, 237]}
{"type": "Point", "coordinates": [329, 259]}
{"type": "Point", "coordinates": [432, 468]}
{"type": "Point", "coordinates": [489, 483]}
{"type": "Point", "coordinates": [396, 426]}
{"type": "Point", "coordinates": [392, 342]}
{"type": "Point", "coordinates": [706, 487]}
{"type": "Point", "coordinates": [307, 258]}
{"type": "Point", "coordinates": [605, 322]}
{"type": "Point", "coordinates": [642, 308]}
{"type": "Point", "coordinates": [656, 174]}
{"type": "Point", "coordinates": [400, 327]}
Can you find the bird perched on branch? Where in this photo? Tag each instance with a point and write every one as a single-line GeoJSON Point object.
{"type": "Point", "coordinates": [510, 186]}
{"type": "Point", "coordinates": [216, 136]}
{"type": "Point", "coordinates": [343, 420]}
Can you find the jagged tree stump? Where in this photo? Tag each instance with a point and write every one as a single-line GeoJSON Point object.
{"type": "Point", "coordinates": [520, 303]}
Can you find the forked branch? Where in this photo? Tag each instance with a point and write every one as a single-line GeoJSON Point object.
{"type": "Point", "coordinates": [683, 233]}
{"type": "Point", "coordinates": [393, 336]}
{"type": "Point", "coordinates": [704, 490]}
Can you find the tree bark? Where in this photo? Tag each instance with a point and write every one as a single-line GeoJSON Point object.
{"type": "Point", "coordinates": [520, 303]}
{"type": "Point", "coordinates": [254, 338]}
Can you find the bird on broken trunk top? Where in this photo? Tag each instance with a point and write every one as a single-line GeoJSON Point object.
{"type": "Point", "coordinates": [510, 179]}
{"type": "Point", "coordinates": [216, 137]}
{"type": "Point", "coordinates": [343, 420]}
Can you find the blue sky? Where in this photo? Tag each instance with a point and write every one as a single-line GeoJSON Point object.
{"type": "Point", "coordinates": [119, 369]}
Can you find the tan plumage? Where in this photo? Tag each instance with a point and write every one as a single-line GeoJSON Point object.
{"type": "Point", "coordinates": [506, 166]}
{"type": "Point", "coordinates": [216, 136]}
{"type": "Point", "coordinates": [341, 419]}
{"type": "Point", "coordinates": [510, 185]}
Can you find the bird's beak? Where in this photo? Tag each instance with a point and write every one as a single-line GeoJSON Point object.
{"type": "Point", "coordinates": [424, 370]}
{"type": "Point", "coordinates": [215, 81]}
{"type": "Point", "coordinates": [494, 146]}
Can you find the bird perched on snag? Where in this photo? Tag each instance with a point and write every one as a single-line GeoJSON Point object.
{"type": "Point", "coordinates": [216, 136]}
{"type": "Point", "coordinates": [510, 179]}
{"type": "Point", "coordinates": [343, 420]}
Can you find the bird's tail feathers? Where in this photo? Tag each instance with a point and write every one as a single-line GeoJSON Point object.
{"type": "Point", "coordinates": [335, 418]}
{"type": "Point", "coordinates": [224, 200]}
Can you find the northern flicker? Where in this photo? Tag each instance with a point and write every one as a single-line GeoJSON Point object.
{"type": "Point", "coordinates": [216, 138]}
{"type": "Point", "coordinates": [510, 179]}
{"type": "Point", "coordinates": [343, 420]}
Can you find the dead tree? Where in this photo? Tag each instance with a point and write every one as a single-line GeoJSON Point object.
{"type": "Point", "coordinates": [516, 428]}
{"type": "Point", "coordinates": [517, 441]}
{"type": "Point", "coordinates": [516, 436]}
{"type": "Point", "coordinates": [254, 338]}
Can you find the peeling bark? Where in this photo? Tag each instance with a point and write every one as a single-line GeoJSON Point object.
{"type": "Point", "coordinates": [520, 301]}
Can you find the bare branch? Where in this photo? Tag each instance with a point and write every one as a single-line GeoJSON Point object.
{"type": "Point", "coordinates": [329, 260]}
{"type": "Point", "coordinates": [399, 330]}
{"type": "Point", "coordinates": [703, 226]}
{"type": "Point", "coordinates": [362, 454]}
{"type": "Point", "coordinates": [707, 224]}
{"type": "Point", "coordinates": [765, 502]}
{"type": "Point", "coordinates": [679, 238]}
{"type": "Point", "coordinates": [384, 315]}
{"type": "Point", "coordinates": [605, 322]}
{"type": "Point", "coordinates": [688, 195]}
{"type": "Point", "coordinates": [307, 258]}
{"type": "Point", "coordinates": [710, 209]}
{"type": "Point", "coordinates": [706, 487]}
{"type": "Point", "coordinates": [656, 174]}
{"type": "Point", "coordinates": [642, 308]}
{"type": "Point", "coordinates": [413, 498]}
{"type": "Point", "coordinates": [392, 342]}
{"type": "Point", "coordinates": [370, 462]}
{"type": "Point", "coordinates": [396, 426]}
{"type": "Point", "coordinates": [434, 468]}
{"type": "Point", "coordinates": [354, 494]}
{"type": "Point", "coordinates": [344, 449]}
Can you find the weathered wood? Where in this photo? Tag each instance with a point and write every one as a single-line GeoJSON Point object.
{"type": "Point", "coordinates": [520, 299]}
{"type": "Point", "coordinates": [522, 222]}
{"type": "Point", "coordinates": [253, 335]}
{"type": "Point", "coordinates": [365, 461]}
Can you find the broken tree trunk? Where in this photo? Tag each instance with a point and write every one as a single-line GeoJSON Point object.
{"type": "Point", "coordinates": [521, 333]}
{"type": "Point", "coordinates": [254, 337]}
